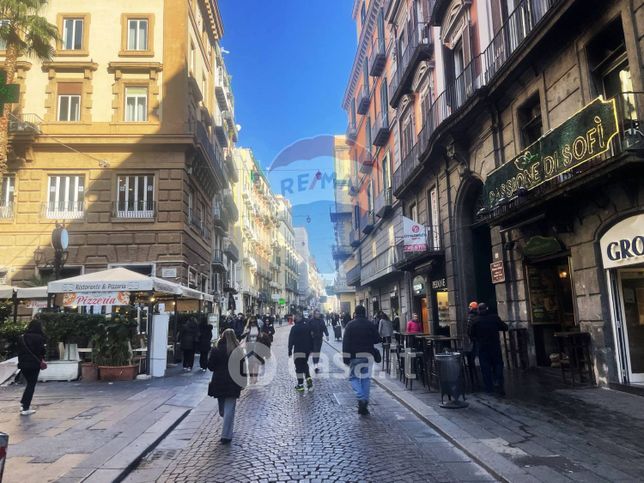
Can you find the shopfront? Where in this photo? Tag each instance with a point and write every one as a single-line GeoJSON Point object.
{"type": "Point", "coordinates": [440, 304]}
{"type": "Point", "coordinates": [622, 249]}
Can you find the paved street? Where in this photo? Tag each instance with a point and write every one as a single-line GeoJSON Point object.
{"type": "Point", "coordinates": [281, 435]}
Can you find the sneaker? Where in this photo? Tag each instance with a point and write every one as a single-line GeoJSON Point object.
{"type": "Point", "coordinates": [317, 370]}
{"type": "Point", "coordinates": [299, 388]}
{"type": "Point", "coordinates": [309, 382]}
{"type": "Point", "coordinates": [27, 412]}
{"type": "Point", "coordinates": [362, 408]}
{"type": "Point", "coordinates": [225, 440]}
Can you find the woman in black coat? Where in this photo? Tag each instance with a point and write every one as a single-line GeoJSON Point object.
{"type": "Point", "coordinates": [31, 350]}
{"type": "Point", "coordinates": [224, 386]}
{"type": "Point", "coordinates": [188, 338]}
{"type": "Point", "coordinates": [205, 342]}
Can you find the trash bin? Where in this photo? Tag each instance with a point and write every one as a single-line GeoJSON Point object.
{"type": "Point", "coordinates": [4, 442]}
{"type": "Point", "coordinates": [451, 379]}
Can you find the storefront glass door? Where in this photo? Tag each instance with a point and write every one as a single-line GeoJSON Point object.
{"type": "Point", "coordinates": [632, 295]}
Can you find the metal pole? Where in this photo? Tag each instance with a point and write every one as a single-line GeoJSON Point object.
{"type": "Point", "coordinates": [149, 341]}
{"type": "Point", "coordinates": [14, 300]}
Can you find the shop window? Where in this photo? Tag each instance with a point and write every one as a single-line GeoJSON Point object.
{"type": "Point", "coordinates": [530, 123]}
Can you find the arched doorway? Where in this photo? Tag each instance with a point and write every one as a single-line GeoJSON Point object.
{"type": "Point", "coordinates": [474, 248]}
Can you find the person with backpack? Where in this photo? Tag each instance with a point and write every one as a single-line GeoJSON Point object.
{"type": "Point", "coordinates": [226, 386]}
{"type": "Point", "coordinates": [31, 355]}
{"type": "Point", "coordinates": [300, 345]}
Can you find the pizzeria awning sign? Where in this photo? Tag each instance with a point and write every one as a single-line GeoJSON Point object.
{"type": "Point", "coordinates": [85, 299]}
{"type": "Point", "coordinates": [414, 236]}
{"type": "Point", "coordinates": [584, 136]}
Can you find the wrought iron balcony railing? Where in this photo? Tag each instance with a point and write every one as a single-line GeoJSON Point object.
{"type": "Point", "coordinates": [127, 209]}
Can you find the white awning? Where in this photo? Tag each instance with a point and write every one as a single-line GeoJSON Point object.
{"type": "Point", "coordinates": [32, 292]}
{"type": "Point", "coordinates": [123, 280]}
{"type": "Point", "coordinates": [6, 291]}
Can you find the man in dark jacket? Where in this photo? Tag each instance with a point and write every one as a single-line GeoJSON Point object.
{"type": "Point", "coordinates": [188, 338]}
{"type": "Point", "coordinates": [239, 325]}
{"type": "Point", "coordinates": [31, 350]}
{"type": "Point", "coordinates": [300, 345]}
{"type": "Point", "coordinates": [360, 336]}
{"type": "Point", "coordinates": [485, 335]}
{"type": "Point", "coordinates": [204, 344]}
{"type": "Point", "coordinates": [318, 330]}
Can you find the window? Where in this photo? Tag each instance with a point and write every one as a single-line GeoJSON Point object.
{"type": "Point", "coordinates": [386, 173]}
{"type": "Point", "coordinates": [135, 197]}
{"type": "Point", "coordinates": [192, 61]}
{"type": "Point", "coordinates": [529, 117]}
{"type": "Point", "coordinates": [66, 197]}
{"type": "Point", "coordinates": [204, 85]}
{"type": "Point", "coordinates": [136, 104]}
{"type": "Point", "coordinates": [407, 134]}
{"type": "Point", "coordinates": [370, 196]}
{"type": "Point", "coordinates": [73, 33]}
{"type": "Point", "coordinates": [384, 103]}
{"type": "Point", "coordinates": [137, 34]}
{"type": "Point", "coordinates": [413, 212]}
{"type": "Point", "coordinates": [353, 112]}
{"type": "Point", "coordinates": [368, 133]}
{"type": "Point", "coordinates": [6, 196]}
{"type": "Point", "coordinates": [3, 23]}
{"type": "Point", "coordinates": [363, 14]}
{"type": "Point", "coordinates": [69, 108]}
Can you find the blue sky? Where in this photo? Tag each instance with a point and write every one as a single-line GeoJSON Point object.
{"type": "Point", "coordinates": [290, 61]}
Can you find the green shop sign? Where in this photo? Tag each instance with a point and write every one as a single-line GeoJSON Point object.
{"type": "Point", "coordinates": [582, 137]}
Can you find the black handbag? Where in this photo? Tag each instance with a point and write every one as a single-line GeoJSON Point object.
{"type": "Point", "coordinates": [377, 357]}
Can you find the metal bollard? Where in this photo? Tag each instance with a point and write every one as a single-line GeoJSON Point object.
{"type": "Point", "coordinates": [4, 443]}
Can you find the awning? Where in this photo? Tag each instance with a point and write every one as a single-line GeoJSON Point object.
{"type": "Point", "coordinates": [6, 291]}
{"type": "Point", "coordinates": [123, 280]}
{"type": "Point", "coordinates": [32, 292]}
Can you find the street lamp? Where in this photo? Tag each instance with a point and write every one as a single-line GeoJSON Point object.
{"type": "Point", "coordinates": [59, 242]}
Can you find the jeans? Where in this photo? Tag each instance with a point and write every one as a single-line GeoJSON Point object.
{"type": "Point", "coordinates": [301, 367]}
{"type": "Point", "coordinates": [203, 359]}
{"type": "Point", "coordinates": [317, 347]}
{"type": "Point", "coordinates": [31, 376]}
{"type": "Point", "coordinates": [491, 363]}
{"type": "Point", "coordinates": [360, 377]}
{"type": "Point", "coordinates": [227, 411]}
{"type": "Point", "coordinates": [189, 359]}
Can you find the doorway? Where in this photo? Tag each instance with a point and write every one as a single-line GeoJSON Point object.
{"type": "Point", "coordinates": [551, 305]}
{"type": "Point", "coordinates": [631, 287]}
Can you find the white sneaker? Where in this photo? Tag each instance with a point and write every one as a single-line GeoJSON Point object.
{"type": "Point", "coordinates": [27, 412]}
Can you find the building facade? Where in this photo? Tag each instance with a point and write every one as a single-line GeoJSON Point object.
{"type": "Point", "coordinates": [124, 143]}
{"type": "Point", "coordinates": [520, 149]}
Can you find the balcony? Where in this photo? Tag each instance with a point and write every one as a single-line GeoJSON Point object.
{"type": "Point", "coordinates": [354, 238]}
{"type": "Point", "coordinates": [366, 161]}
{"type": "Point", "coordinates": [383, 264]}
{"type": "Point", "coordinates": [341, 252]}
{"type": "Point", "coordinates": [419, 48]}
{"type": "Point", "coordinates": [351, 134]}
{"type": "Point", "coordinates": [231, 251]}
{"type": "Point", "coordinates": [378, 58]}
{"type": "Point", "coordinates": [341, 286]}
{"type": "Point", "coordinates": [431, 247]}
{"type": "Point", "coordinates": [221, 132]}
{"type": "Point", "coordinates": [222, 90]}
{"type": "Point", "coordinates": [134, 210]}
{"type": "Point", "coordinates": [218, 262]}
{"type": "Point", "coordinates": [341, 212]}
{"type": "Point", "coordinates": [481, 71]}
{"type": "Point", "coordinates": [218, 217]}
{"type": "Point", "coordinates": [6, 211]}
{"type": "Point", "coordinates": [364, 100]}
{"type": "Point", "coordinates": [199, 226]}
{"type": "Point", "coordinates": [24, 127]}
{"type": "Point", "coordinates": [380, 129]}
{"type": "Point", "coordinates": [353, 276]}
{"type": "Point", "coordinates": [383, 203]}
{"type": "Point", "coordinates": [368, 222]}
{"type": "Point", "coordinates": [229, 204]}
{"type": "Point", "coordinates": [65, 210]}
{"type": "Point", "coordinates": [231, 170]}
{"type": "Point", "coordinates": [211, 152]}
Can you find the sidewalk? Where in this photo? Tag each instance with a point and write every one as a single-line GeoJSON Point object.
{"type": "Point", "coordinates": [564, 435]}
{"type": "Point", "coordinates": [93, 431]}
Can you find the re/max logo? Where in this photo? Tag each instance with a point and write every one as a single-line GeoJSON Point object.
{"type": "Point", "coordinates": [309, 182]}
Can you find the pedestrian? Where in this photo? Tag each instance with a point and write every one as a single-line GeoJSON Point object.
{"type": "Point", "coordinates": [396, 322]}
{"type": "Point", "coordinates": [188, 337]}
{"type": "Point", "coordinates": [414, 326]}
{"type": "Point", "coordinates": [239, 325]}
{"type": "Point", "coordinates": [485, 333]}
{"type": "Point", "coordinates": [300, 345]}
{"type": "Point", "coordinates": [225, 386]}
{"type": "Point", "coordinates": [31, 355]}
{"type": "Point", "coordinates": [385, 328]}
{"type": "Point", "coordinates": [469, 347]}
{"type": "Point", "coordinates": [337, 329]}
{"type": "Point", "coordinates": [345, 319]}
{"type": "Point", "coordinates": [359, 353]}
{"type": "Point", "coordinates": [318, 331]}
{"type": "Point", "coordinates": [204, 343]}
{"type": "Point", "coordinates": [251, 337]}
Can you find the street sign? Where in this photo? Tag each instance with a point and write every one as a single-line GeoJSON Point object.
{"type": "Point", "coordinates": [9, 93]}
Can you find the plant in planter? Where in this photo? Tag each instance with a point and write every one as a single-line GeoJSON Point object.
{"type": "Point", "coordinates": [111, 349]}
{"type": "Point", "coordinates": [68, 328]}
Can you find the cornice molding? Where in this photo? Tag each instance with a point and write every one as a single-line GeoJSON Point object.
{"type": "Point", "coordinates": [363, 43]}
{"type": "Point", "coordinates": [135, 66]}
{"type": "Point", "coordinates": [69, 66]}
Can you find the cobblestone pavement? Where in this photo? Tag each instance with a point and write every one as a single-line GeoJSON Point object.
{"type": "Point", "coordinates": [281, 435]}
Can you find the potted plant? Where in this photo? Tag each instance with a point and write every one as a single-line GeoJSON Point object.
{"type": "Point", "coordinates": [111, 349]}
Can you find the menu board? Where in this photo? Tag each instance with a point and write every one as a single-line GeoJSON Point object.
{"type": "Point", "coordinates": [544, 302]}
